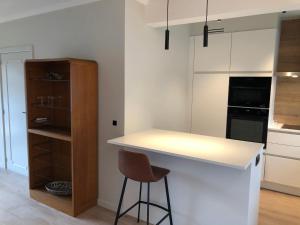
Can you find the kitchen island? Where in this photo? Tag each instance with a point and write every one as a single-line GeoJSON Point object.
{"type": "Point", "coordinates": [213, 181]}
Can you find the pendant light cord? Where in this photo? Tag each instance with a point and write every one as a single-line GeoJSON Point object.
{"type": "Point", "coordinates": [168, 3]}
{"type": "Point", "coordinates": [206, 12]}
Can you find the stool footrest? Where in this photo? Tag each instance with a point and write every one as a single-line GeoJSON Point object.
{"type": "Point", "coordinates": [130, 208]}
{"type": "Point", "coordinates": [150, 203]}
{"type": "Point", "coordinates": [155, 205]}
{"type": "Point", "coordinates": [162, 220]}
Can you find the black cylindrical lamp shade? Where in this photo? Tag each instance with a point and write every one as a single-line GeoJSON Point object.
{"type": "Point", "coordinates": [205, 36]}
{"type": "Point", "coordinates": [167, 40]}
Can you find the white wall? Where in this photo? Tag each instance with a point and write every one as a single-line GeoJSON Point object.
{"type": "Point", "coordinates": [156, 88]}
{"type": "Point", "coordinates": [93, 31]}
{"type": "Point", "coordinates": [193, 11]}
{"type": "Point", "coordinates": [155, 79]}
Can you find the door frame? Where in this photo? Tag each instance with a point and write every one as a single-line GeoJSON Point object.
{"type": "Point", "coordinates": [16, 49]}
{"type": "Point", "coordinates": [7, 50]}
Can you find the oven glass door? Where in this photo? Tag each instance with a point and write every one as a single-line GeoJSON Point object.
{"type": "Point", "coordinates": [247, 130]}
{"type": "Point", "coordinates": [247, 124]}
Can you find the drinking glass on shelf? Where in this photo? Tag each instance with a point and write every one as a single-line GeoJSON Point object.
{"type": "Point", "coordinates": [59, 101]}
{"type": "Point", "coordinates": [40, 100]}
{"type": "Point", "coordinates": [50, 101]}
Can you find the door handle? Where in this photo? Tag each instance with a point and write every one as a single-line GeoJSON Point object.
{"type": "Point", "coordinates": [257, 160]}
{"type": "Point", "coordinates": [24, 112]}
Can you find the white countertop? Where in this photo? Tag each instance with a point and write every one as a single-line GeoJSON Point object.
{"type": "Point", "coordinates": [213, 150]}
{"type": "Point", "coordinates": [277, 127]}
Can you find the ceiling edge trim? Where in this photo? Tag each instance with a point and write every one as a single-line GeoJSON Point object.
{"type": "Point", "coordinates": [45, 10]}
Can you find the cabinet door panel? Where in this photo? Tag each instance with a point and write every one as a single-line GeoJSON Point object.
{"type": "Point", "coordinates": [284, 150]}
{"type": "Point", "coordinates": [253, 50]}
{"type": "Point", "coordinates": [214, 58]}
{"type": "Point", "coordinates": [284, 138]}
{"type": "Point", "coordinates": [282, 171]}
{"type": "Point", "coordinates": [209, 108]}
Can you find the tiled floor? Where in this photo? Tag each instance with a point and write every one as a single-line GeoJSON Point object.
{"type": "Point", "coordinates": [17, 209]}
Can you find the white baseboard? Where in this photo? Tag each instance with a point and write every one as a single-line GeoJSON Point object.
{"type": "Point", "coordinates": [106, 205]}
{"type": "Point", "coordinates": [281, 188]}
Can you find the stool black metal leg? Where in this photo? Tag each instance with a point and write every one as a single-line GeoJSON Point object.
{"type": "Point", "coordinates": [140, 198]}
{"type": "Point", "coordinates": [168, 199]}
{"type": "Point", "coordinates": [148, 201]}
{"type": "Point", "coordinates": [121, 201]}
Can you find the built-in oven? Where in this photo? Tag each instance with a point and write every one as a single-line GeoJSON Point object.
{"type": "Point", "coordinates": [247, 124]}
{"type": "Point", "coordinates": [250, 92]}
{"type": "Point", "coordinates": [248, 108]}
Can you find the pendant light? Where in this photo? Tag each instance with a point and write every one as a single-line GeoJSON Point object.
{"type": "Point", "coordinates": [167, 34]}
{"type": "Point", "coordinates": [205, 30]}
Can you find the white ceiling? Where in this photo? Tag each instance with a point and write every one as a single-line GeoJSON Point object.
{"type": "Point", "coordinates": [193, 11]}
{"type": "Point", "coordinates": [16, 9]}
{"type": "Point", "coordinates": [145, 2]}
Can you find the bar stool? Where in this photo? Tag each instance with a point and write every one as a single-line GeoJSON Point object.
{"type": "Point", "coordinates": [136, 166]}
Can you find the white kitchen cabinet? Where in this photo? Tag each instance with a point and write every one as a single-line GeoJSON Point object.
{"type": "Point", "coordinates": [214, 58]}
{"type": "Point", "coordinates": [282, 171]}
{"type": "Point", "coordinates": [284, 138]}
{"type": "Point", "coordinates": [209, 108]}
{"type": "Point", "coordinates": [263, 162]}
{"type": "Point", "coordinates": [253, 51]}
{"type": "Point", "coordinates": [284, 150]}
{"type": "Point", "coordinates": [282, 164]}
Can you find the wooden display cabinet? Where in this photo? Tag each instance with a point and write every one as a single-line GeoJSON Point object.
{"type": "Point", "coordinates": [62, 109]}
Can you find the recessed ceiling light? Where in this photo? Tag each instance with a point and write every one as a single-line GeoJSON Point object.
{"type": "Point", "coordinates": [295, 76]}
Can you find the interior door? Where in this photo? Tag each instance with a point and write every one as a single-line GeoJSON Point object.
{"type": "Point", "coordinates": [15, 125]}
{"type": "Point", "coordinates": [2, 139]}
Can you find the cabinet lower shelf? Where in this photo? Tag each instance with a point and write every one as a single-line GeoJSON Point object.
{"type": "Point", "coordinates": [53, 133]}
{"type": "Point", "coordinates": [63, 204]}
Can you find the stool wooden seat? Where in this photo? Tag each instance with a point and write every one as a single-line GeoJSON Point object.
{"type": "Point", "coordinates": [137, 167]}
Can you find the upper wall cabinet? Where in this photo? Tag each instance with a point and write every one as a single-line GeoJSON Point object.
{"type": "Point", "coordinates": [289, 49]}
{"type": "Point", "coordinates": [253, 51]}
{"type": "Point", "coordinates": [214, 58]}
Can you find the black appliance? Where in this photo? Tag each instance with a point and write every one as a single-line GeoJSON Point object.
{"type": "Point", "coordinates": [248, 108]}
{"type": "Point", "coordinates": [251, 92]}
